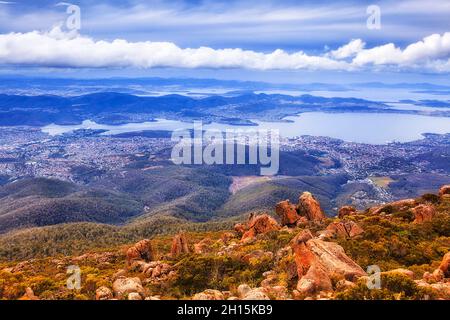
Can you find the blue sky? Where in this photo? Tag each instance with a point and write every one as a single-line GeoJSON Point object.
{"type": "Point", "coordinates": [319, 40]}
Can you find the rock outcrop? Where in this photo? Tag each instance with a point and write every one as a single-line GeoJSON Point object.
{"type": "Point", "coordinates": [209, 294]}
{"type": "Point", "coordinates": [445, 265]}
{"type": "Point", "coordinates": [287, 213]}
{"type": "Point", "coordinates": [180, 245]}
{"type": "Point", "coordinates": [142, 250]}
{"type": "Point", "coordinates": [346, 211]}
{"type": "Point", "coordinates": [124, 286]}
{"type": "Point", "coordinates": [203, 246]}
{"type": "Point", "coordinates": [103, 293]}
{"type": "Point", "coordinates": [259, 225]}
{"type": "Point", "coordinates": [317, 261]}
{"type": "Point", "coordinates": [29, 295]}
{"type": "Point", "coordinates": [156, 271]}
{"type": "Point", "coordinates": [343, 229]}
{"type": "Point", "coordinates": [396, 206]}
{"type": "Point", "coordinates": [444, 191]}
{"type": "Point", "coordinates": [423, 213]}
{"type": "Point", "coordinates": [310, 208]}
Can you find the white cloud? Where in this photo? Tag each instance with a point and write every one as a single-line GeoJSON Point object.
{"type": "Point", "coordinates": [59, 49]}
{"type": "Point", "coordinates": [56, 48]}
{"type": "Point", "coordinates": [349, 50]}
{"type": "Point", "coordinates": [429, 51]}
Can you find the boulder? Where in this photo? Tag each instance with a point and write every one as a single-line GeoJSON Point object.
{"type": "Point", "coordinates": [243, 289]}
{"type": "Point", "coordinates": [226, 237]}
{"type": "Point", "coordinates": [203, 246]}
{"type": "Point", "coordinates": [316, 279]}
{"type": "Point", "coordinates": [180, 245]}
{"type": "Point", "coordinates": [317, 261]}
{"type": "Point", "coordinates": [124, 286]}
{"type": "Point", "coordinates": [240, 228]}
{"type": "Point", "coordinates": [142, 250]}
{"type": "Point", "coordinates": [423, 213]}
{"type": "Point", "coordinates": [287, 213]}
{"type": "Point", "coordinates": [209, 294]}
{"type": "Point", "coordinates": [344, 229]}
{"type": "Point", "coordinates": [256, 294]}
{"type": "Point", "coordinates": [134, 296]}
{"type": "Point", "coordinates": [396, 206]}
{"type": "Point", "coordinates": [276, 292]}
{"type": "Point", "coordinates": [445, 265]}
{"type": "Point", "coordinates": [333, 258]}
{"type": "Point", "coordinates": [259, 225]}
{"type": "Point", "coordinates": [29, 295]}
{"type": "Point", "coordinates": [346, 211]}
{"type": "Point", "coordinates": [310, 208]}
{"type": "Point", "coordinates": [103, 293]}
{"type": "Point", "coordinates": [119, 274]}
{"type": "Point", "coordinates": [405, 272]}
{"type": "Point", "coordinates": [444, 191]}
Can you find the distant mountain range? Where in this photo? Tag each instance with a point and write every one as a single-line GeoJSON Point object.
{"type": "Point", "coordinates": [114, 108]}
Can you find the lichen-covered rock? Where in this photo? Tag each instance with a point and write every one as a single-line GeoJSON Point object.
{"type": "Point", "coordinates": [103, 293]}
{"type": "Point", "coordinates": [134, 296]}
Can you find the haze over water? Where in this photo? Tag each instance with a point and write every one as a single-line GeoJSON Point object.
{"type": "Point", "coordinates": [372, 128]}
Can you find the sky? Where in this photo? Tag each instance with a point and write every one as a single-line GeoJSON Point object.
{"type": "Point", "coordinates": [325, 41]}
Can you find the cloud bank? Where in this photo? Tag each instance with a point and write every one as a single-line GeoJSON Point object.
{"type": "Point", "coordinates": [60, 49]}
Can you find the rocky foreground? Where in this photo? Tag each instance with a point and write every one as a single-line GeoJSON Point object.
{"type": "Point", "coordinates": [298, 254]}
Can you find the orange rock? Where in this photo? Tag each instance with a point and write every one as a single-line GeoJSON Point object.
{"type": "Point", "coordinates": [304, 258]}
{"type": "Point", "coordinates": [346, 211]}
{"type": "Point", "coordinates": [309, 207]}
{"type": "Point", "coordinates": [396, 206]}
{"type": "Point", "coordinates": [315, 280]}
{"type": "Point", "coordinates": [226, 237]}
{"type": "Point", "coordinates": [240, 228]}
{"type": "Point", "coordinates": [423, 213]}
{"type": "Point", "coordinates": [203, 246]}
{"type": "Point", "coordinates": [180, 245]}
{"type": "Point", "coordinates": [142, 250]}
{"type": "Point", "coordinates": [344, 229]}
{"type": "Point", "coordinates": [259, 225]}
{"type": "Point", "coordinates": [444, 190]}
{"type": "Point", "coordinates": [318, 260]}
{"type": "Point", "coordinates": [287, 212]}
{"type": "Point", "coordinates": [29, 295]}
{"type": "Point", "coordinates": [445, 265]}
